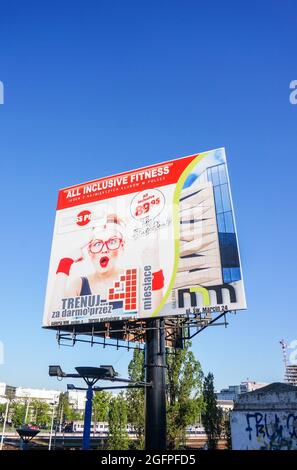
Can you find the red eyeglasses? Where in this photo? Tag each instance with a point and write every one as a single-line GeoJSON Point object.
{"type": "Point", "coordinates": [111, 244]}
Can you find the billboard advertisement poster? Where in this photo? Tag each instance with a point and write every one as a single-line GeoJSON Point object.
{"type": "Point", "coordinates": [154, 242]}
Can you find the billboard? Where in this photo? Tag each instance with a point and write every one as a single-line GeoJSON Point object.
{"type": "Point", "coordinates": [154, 242]}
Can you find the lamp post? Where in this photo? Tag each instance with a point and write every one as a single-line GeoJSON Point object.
{"type": "Point", "coordinates": [4, 424]}
{"type": "Point", "coordinates": [91, 375]}
{"type": "Point", "coordinates": [27, 411]}
{"type": "Point", "coordinates": [60, 424]}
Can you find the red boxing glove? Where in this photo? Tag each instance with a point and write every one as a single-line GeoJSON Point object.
{"type": "Point", "coordinates": [65, 265]}
{"type": "Point", "coordinates": [158, 280]}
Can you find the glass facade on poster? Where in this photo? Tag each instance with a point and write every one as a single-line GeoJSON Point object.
{"type": "Point", "coordinates": [217, 175]}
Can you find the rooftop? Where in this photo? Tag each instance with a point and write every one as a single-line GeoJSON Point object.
{"type": "Point", "coordinates": [275, 396]}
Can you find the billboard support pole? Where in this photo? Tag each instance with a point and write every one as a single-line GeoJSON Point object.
{"type": "Point", "coordinates": [155, 396]}
{"type": "Point", "coordinates": [88, 418]}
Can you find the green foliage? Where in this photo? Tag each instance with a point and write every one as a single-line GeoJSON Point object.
{"type": "Point", "coordinates": [40, 413]}
{"type": "Point", "coordinates": [17, 413]}
{"type": "Point", "coordinates": [135, 398]}
{"type": "Point", "coordinates": [117, 419]}
{"type": "Point", "coordinates": [184, 394]}
{"type": "Point", "coordinates": [2, 411]}
{"type": "Point", "coordinates": [212, 418]}
{"type": "Point", "coordinates": [101, 401]}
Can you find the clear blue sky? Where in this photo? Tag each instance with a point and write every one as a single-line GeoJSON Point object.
{"type": "Point", "coordinates": [99, 87]}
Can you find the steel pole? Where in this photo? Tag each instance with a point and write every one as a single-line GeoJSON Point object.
{"type": "Point", "coordinates": [60, 427]}
{"type": "Point", "coordinates": [155, 396]}
{"type": "Point", "coordinates": [51, 431]}
{"type": "Point", "coordinates": [88, 418]}
{"type": "Point", "coordinates": [27, 411]}
{"type": "Point", "coordinates": [4, 425]}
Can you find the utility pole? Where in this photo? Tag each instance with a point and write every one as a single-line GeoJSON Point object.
{"type": "Point", "coordinates": [88, 418]}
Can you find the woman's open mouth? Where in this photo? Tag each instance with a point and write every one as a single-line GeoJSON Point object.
{"type": "Point", "coordinates": [104, 261]}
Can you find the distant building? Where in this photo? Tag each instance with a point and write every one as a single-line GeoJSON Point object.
{"type": "Point", "coordinates": [225, 405]}
{"type": "Point", "coordinates": [77, 399]}
{"type": "Point", "coordinates": [2, 392]}
{"type": "Point", "coordinates": [10, 391]}
{"type": "Point", "coordinates": [233, 391]}
{"type": "Point", "coordinates": [291, 374]}
{"type": "Point", "coordinates": [250, 386]}
{"type": "Point", "coordinates": [290, 368]}
{"type": "Point", "coordinates": [23, 393]}
{"type": "Point", "coordinates": [48, 396]}
{"type": "Point", "coordinates": [230, 393]}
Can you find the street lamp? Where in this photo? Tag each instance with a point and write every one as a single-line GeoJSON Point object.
{"type": "Point", "coordinates": [55, 371]}
{"type": "Point", "coordinates": [26, 434]}
{"type": "Point", "coordinates": [91, 375]}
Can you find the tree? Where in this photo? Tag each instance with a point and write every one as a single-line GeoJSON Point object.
{"type": "Point", "coordinates": [2, 414]}
{"type": "Point", "coordinates": [135, 398]}
{"type": "Point", "coordinates": [40, 413]}
{"type": "Point", "coordinates": [184, 394]}
{"type": "Point", "coordinates": [117, 420]}
{"type": "Point", "coordinates": [17, 413]}
{"type": "Point", "coordinates": [2, 411]}
{"type": "Point", "coordinates": [213, 415]}
{"type": "Point", "coordinates": [101, 402]}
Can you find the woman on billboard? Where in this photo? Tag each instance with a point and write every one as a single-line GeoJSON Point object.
{"type": "Point", "coordinates": [105, 250]}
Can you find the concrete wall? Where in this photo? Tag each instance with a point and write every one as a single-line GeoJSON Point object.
{"type": "Point", "coordinates": [260, 429]}
{"type": "Point", "coordinates": [265, 419]}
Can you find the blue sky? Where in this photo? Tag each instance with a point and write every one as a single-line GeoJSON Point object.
{"type": "Point", "coordinates": [99, 87]}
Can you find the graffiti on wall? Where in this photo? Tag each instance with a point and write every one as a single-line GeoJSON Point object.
{"type": "Point", "coordinates": [264, 430]}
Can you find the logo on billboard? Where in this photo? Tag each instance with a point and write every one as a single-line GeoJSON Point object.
{"type": "Point", "coordinates": [83, 218]}
{"type": "Point", "coordinates": [200, 295]}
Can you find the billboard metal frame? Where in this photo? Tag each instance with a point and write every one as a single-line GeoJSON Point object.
{"type": "Point", "coordinates": [177, 331]}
